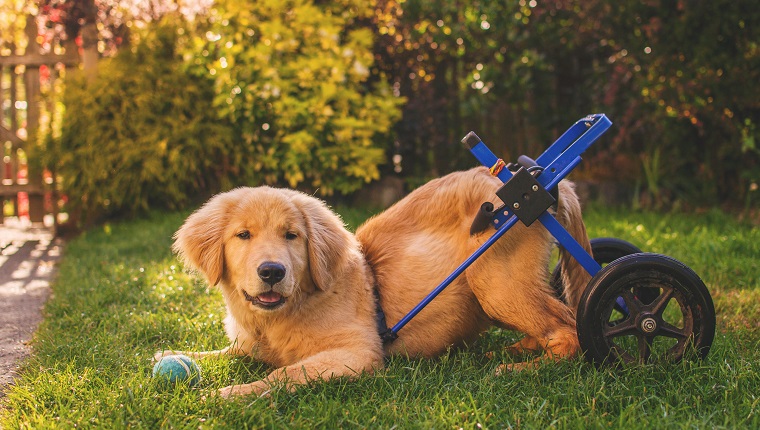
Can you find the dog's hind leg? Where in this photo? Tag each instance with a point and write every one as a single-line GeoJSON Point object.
{"type": "Point", "coordinates": [510, 283]}
{"type": "Point", "coordinates": [528, 344]}
{"type": "Point", "coordinates": [562, 343]}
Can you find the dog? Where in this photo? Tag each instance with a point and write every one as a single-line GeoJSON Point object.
{"type": "Point", "coordinates": [303, 293]}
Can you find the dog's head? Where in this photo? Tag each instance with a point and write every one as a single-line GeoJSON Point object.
{"type": "Point", "coordinates": [268, 247]}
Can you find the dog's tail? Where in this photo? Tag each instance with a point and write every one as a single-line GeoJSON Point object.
{"type": "Point", "coordinates": [574, 277]}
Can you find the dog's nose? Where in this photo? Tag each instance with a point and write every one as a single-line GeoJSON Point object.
{"type": "Point", "coordinates": [271, 272]}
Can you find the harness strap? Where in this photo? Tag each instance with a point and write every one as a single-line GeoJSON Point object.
{"type": "Point", "coordinates": [386, 334]}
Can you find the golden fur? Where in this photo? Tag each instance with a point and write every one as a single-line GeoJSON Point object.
{"type": "Point", "coordinates": [326, 326]}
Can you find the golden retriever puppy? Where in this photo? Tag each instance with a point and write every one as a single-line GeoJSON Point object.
{"type": "Point", "coordinates": [416, 243]}
{"type": "Point", "coordinates": [297, 288]}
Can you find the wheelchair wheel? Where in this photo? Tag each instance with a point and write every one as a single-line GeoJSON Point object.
{"type": "Point", "coordinates": [680, 319]}
{"type": "Point", "coordinates": [605, 250]}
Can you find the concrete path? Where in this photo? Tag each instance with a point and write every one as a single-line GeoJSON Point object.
{"type": "Point", "coordinates": [28, 257]}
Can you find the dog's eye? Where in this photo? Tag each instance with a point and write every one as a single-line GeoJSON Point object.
{"type": "Point", "coordinates": [290, 235]}
{"type": "Point", "coordinates": [245, 235]}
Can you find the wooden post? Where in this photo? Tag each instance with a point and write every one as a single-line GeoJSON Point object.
{"type": "Point", "coordinates": [2, 111]}
{"type": "Point", "coordinates": [2, 151]}
{"type": "Point", "coordinates": [90, 50]}
{"type": "Point", "coordinates": [14, 98]}
{"type": "Point", "coordinates": [32, 86]}
{"type": "Point", "coordinates": [13, 144]}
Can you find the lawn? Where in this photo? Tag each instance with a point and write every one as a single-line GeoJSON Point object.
{"type": "Point", "coordinates": [121, 296]}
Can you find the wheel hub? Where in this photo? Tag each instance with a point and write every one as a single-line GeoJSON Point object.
{"type": "Point", "coordinates": [648, 325]}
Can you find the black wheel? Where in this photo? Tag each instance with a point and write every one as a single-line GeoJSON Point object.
{"type": "Point", "coordinates": [681, 318]}
{"type": "Point", "coordinates": [605, 250]}
{"type": "Point", "coordinates": [608, 249]}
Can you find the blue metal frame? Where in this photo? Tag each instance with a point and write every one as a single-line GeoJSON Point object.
{"type": "Point", "coordinates": [557, 162]}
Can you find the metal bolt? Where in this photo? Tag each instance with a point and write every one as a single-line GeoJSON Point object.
{"type": "Point", "coordinates": [534, 187]}
{"type": "Point", "coordinates": [516, 205]}
{"type": "Point", "coordinates": [649, 325]}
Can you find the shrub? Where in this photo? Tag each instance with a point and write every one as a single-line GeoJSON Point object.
{"type": "Point", "coordinates": [142, 134]}
{"type": "Point", "coordinates": [294, 79]}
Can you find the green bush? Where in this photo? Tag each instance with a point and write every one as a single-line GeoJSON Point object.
{"type": "Point", "coordinates": [142, 134]}
{"type": "Point", "coordinates": [294, 79]}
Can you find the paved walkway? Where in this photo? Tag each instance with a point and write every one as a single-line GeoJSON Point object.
{"type": "Point", "coordinates": [28, 256]}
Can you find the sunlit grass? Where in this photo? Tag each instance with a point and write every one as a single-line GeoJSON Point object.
{"type": "Point", "coordinates": [121, 296]}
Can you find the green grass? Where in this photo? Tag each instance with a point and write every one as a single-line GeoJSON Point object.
{"type": "Point", "coordinates": [121, 296]}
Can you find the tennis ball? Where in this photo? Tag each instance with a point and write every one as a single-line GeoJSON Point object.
{"type": "Point", "coordinates": [177, 368]}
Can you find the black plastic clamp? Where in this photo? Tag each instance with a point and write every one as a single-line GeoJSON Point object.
{"type": "Point", "coordinates": [525, 196]}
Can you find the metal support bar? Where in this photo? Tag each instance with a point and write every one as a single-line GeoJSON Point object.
{"type": "Point", "coordinates": [576, 139]}
{"type": "Point", "coordinates": [484, 155]}
{"type": "Point", "coordinates": [455, 274]}
{"type": "Point", "coordinates": [569, 243]}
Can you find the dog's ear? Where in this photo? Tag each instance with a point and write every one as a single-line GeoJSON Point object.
{"type": "Point", "coordinates": [199, 243]}
{"type": "Point", "coordinates": [330, 245]}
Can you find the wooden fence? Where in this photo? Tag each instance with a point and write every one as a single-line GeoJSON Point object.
{"type": "Point", "coordinates": [22, 80]}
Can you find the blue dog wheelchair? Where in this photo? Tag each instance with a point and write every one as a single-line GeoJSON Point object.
{"type": "Point", "coordinates": [638, 308]}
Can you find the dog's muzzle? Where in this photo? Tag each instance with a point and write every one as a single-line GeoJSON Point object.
{"type": "Point", "coordinates": [268, 300]}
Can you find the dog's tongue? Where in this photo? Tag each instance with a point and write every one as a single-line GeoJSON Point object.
{"type": "Point", "coordinates": [270, 297]}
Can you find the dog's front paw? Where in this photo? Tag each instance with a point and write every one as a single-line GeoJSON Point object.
{"type": "Point", "coordinates": [259, 388]}
{"type": "Point", "coordinates": [161, 354]}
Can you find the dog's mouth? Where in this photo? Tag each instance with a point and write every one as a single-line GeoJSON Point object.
{"type": "Point", "coordinates": [268, 300]}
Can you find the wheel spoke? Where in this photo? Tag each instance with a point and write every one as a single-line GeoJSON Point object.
{"type": "Point", "coordinates": [677, 350]}
{"type": "Point", "coordinates": [626, 327]}
{"type": "Point", "coordinates": [622, 354]}
{"type": "Point", "coordinates": [661, 302]}
{"type": "Point", "coordinates": [645, 348]}
{"type": "Point", "coordinates": [634, 305]}
{"type": "Point", "coordinates": [669, 330]}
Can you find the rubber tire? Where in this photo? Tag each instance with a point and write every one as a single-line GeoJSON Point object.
{"type": "Point", "coordinates": [605, 250]}
{"type": "Point", "coordinates": [602, 292]}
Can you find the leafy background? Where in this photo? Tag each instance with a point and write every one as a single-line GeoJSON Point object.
{"type": "Point", "coordinates": [329, 96]}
